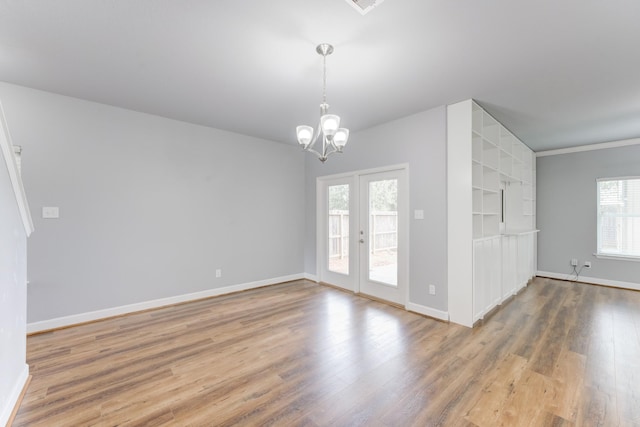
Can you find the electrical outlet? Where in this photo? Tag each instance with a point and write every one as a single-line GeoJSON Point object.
{"type": "Point", "coordinates": [218, 273]}
{"type": "Point", "coordinates": [587, 264]}
{"type": "Point", "coordinates": [574, 262]}
{"type": "Point", "coordinates": [432, 289]}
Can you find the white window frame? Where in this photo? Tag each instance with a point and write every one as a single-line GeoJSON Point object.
{"type": "Point", "coordinates": [609, 255]}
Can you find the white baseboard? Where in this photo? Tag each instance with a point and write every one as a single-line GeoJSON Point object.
{"type": "Point", "coordinates": [10, 404]}
{"type": "Point", "coordinates": [74, 319]}
{"type": "Point", "coordinates": [312, 277]}
{"type": "Point", "coordinates": [428, 311]}
{"type": "Point", "coordinates": [594, 280]}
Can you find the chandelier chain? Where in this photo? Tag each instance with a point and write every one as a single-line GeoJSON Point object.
{"type": "Point", "coordinates": [324, 79]}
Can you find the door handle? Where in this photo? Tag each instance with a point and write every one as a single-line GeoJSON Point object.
{"type": "Point", "coordinates": [361, 240]}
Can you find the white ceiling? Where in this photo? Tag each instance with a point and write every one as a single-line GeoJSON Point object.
{"type": "Point", "coordinates": [558, 73]}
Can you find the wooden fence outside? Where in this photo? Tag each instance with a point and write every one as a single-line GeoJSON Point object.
{"type": "Point", "coordinates": [383, 229]}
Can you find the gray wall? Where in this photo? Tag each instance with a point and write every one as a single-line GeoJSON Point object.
{"type": "Point", "coordinates": [420, 141]}
{"type": "Point", "coordinates": [567, 210]}
{"type": "Point", "coordinates": [13, 296]}
{"type": "Point", "coordinates": [149, 207]}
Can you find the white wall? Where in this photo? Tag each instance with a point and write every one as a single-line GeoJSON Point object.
{"type": "Point", "coordinates": [420, 141]}
{"type": "Point", "coordinates": [149, 207]}
{"type": "Point", "coordinates": [13, 296]}
{"type": "Point", "coordinates": [567, 213]}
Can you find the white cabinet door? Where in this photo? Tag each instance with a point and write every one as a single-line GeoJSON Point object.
{"type": "Point", "coordinates": [478, 280]}
{"type": "Point", "coordinates": [525, 259]}
{"type": "Point", "coordinates": [509, 266]}
{"type": "Point", "coordinates": [487, 276]}
{"type": "Point", "coordinates": [496, 273]}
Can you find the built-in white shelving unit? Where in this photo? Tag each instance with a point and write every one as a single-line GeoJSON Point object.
{"type": "Point", "coordinates": [492, 180]}
{"type": "Point", "coordinates": [498, 157]}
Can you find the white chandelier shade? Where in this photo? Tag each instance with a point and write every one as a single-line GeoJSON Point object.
{"type": "Point", "coordinates": [333, 137]}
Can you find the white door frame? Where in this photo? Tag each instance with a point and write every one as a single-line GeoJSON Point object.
{"type": "Point", "coordinates": [354, 251]}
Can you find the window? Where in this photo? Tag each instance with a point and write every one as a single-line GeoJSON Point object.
{"type": "Point", "coordinates": [619, 217]}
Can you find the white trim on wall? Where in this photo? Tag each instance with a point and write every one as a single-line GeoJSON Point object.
{"type": "Point", "coordinates": [592, 280]}
{"type": "Point", "coordinates": [14, 397]}
{"type": "Point", "coordinates": [312, 277]}
{"type": "Point", "coordinates": [427, 311]}
{"type": "Point", "coordinates": [369, 171]}
{"type": "Point", "coordinates": [590, 147]}
{"type": "Point", "coordinates": [75, 319]}
{"type": "Point", "coordinates": [14, 175]}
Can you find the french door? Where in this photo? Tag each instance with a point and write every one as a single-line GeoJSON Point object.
{"type": "Point", "coordinates": [363, 233]}
{"type": "Point", "coordinates": [383, 220]}
{"type": "Point", "coordinates": [337, 264]}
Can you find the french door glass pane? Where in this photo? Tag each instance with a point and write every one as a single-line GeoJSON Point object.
{"type": "Point", "coordinates": [338, 229]}
{"type": "Point", "coordinates": [383, 231]}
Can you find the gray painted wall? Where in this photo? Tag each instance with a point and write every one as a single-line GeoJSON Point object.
{"type": "Point", "coordinates": [420, 141]}
{"type": "Point", "coordinates": [13, 296]}
{"type": "Point", "coordinates": [149, 207]}
{"type": "Point", "coordinates": [567, 210]}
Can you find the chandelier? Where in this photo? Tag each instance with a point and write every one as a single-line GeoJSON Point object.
{"type": "Point", "coordinates": [334, 138]}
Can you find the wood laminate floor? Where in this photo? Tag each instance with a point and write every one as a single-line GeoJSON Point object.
{"type": "Point", "coordinates": [558, 354]}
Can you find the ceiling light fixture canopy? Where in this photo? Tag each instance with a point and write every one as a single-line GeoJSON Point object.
{"type": "Point", "coordinates": [334, 138]}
